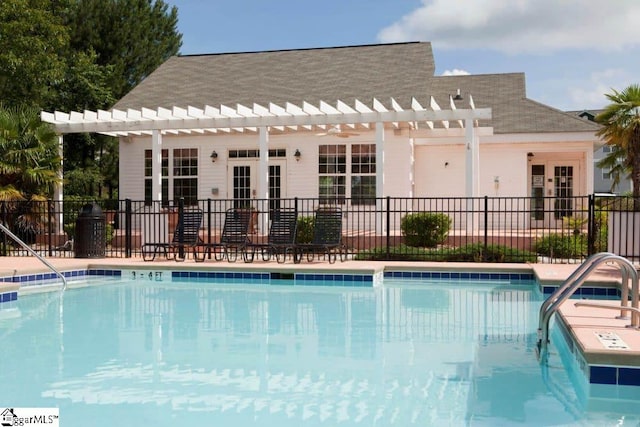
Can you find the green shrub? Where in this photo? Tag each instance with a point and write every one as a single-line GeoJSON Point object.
{"type": "Point", "coordinates": [304, 232]}
{"type": "Point", "coordinates": [475, 252]}
{"type": "Point", "coordinates": [562, 246]}
{"type": "Point", "coordinates": [574, 224]}
{"type": "Point", "coordinates": [601, 230]}
{"type": "Point", "coordinates": [109, 233]}
{"type": "Point", "coordinates": [425, 229]}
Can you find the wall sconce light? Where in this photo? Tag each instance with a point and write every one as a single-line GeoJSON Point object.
{"type": "Point", "coordinates": [529, 154]}
{"type": "Point", "coordinates": [297, 155]}
{"type": "Point", "coordinates": [446, 164]}
{"type": "Point", "coordinates": [458, 96]}
{"type": "Point", "coordinates": [214, 156]}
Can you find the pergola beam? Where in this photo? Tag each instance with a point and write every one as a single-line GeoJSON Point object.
{"type": "Point", "coordinates": [243, 118]}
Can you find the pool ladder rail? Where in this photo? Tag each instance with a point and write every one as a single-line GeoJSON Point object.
{"type": "Point", "coordinates": [577, 279]}
{"type": "Point", "coordinates": [35, 254]}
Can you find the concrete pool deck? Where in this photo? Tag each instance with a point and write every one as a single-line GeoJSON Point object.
{"type": "Point", "coordinates": [592, 328]}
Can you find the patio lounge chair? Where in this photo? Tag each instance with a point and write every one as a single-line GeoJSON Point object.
{"type": "Point", "coordinates": [327, 237]}
{"type": "Point", "coordinates": [186, 235]}
{"type": "Point", "coordinates": [234, 238]}
{"type": "Point", "coordinates": [281, 239]}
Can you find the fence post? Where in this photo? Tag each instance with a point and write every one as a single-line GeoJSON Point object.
{"type": "Point", "coordinates": [180, 226]}
{"type": "Point", "coordinates": [50, 207]}
{"type": "Point", "coordinates": [592, 227]}
{"type": "Point", "coordinates": [3, 221]}
{"type": "Point", "coordinates": [128, 216]}
{"type": "Point", "coordinates": [387, 231]}
{"type": "Point", "coordinates": [486, 225]}
{"type": "Point", "coordinates": [209, 221]}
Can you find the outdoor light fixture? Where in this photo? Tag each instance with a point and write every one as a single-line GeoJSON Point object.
{"type": "Point", "coordinates": [458, 97]}
{"type": "Point", "coordinates": [297, 155]}
{"type": "Point", "coordinates": [214, 156]}
{"type": "Point", "coordinates": [529, 154]}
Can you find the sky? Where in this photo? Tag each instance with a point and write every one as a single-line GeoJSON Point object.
{"type": "Point", "coordinates": [572, 52]}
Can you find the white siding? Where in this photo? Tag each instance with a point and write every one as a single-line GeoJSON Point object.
{"type": "Point", "coordinates": [439, 169]}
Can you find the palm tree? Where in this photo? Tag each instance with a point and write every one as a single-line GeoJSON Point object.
{"type": "Point", "coordinates": [29, 167]}
{"type": "Point", "coordinates": [620, 122]}
{"type": "Point", "coordinates": [30, 160]}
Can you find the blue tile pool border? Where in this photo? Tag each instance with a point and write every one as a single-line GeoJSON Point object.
{"type": "Point", "coordinates": [598, 374]}
{"type": "Point", "coordinates": [279, 278]}
{"type": "Point", "coordinates": [282, 278]}
{"type": "Point", "coordinates": [462, 275]}
{"type": "Point", "coordinates": [41, 278]}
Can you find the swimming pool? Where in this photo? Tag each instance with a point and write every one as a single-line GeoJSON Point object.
{"type": "Point", "coordinates": [243, 352]}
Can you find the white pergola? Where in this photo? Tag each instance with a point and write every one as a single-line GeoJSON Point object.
{"type": "Point", "coordinates": [274, 118]}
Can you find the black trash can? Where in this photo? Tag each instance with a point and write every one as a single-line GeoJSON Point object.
{"type": "Point", "coordinates": [91, 232]}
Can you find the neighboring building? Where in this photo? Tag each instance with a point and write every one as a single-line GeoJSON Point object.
{"type": "Point", "coordinates": [339, 123]}
{"type": "Point", "coordinates": [602, 181]}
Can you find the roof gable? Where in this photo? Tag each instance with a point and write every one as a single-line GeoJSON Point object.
{"type": "Point", "coordinates": [312, 75]}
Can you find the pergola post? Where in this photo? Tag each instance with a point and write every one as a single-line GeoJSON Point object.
{"type": "Point", "coordinates": [472, 159]}
{"type": "Point", "coordinates": [379, 159]}
{"type": "Point", "coordinates": [58, 192]}
{"type": "Point", "coordinates": [263, 175]}
{"type": "Point", "coordinates": [156, 166]}
{"type": "Point", "coordinates": [380, 166]}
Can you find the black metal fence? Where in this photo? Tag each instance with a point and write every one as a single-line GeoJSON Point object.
{"type": "Point", "coordinates": [494, 229]}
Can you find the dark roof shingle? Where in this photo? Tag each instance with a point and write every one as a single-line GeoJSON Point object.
{"type": "Point", "coordinates": [401, 71]}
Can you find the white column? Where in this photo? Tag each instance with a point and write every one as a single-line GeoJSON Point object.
{"type": "Point", "coordinates": [58, 192]}
{"type": "Point", "coordinates": [263, 176]}
{"type": "Point", "coordinates": [379, 159]}
{"type": "Point", "coordinates": [156, 166]}
{"type": "Point", "coordinates": [412, 166]}
{"type": "Point", "coordinates": [263, 164]}
{"type": "Point", "coordinates": [472, 171]}
{"type": "Point", "coordinates": [380, 168]}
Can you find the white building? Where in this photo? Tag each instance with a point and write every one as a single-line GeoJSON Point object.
{"type": "Point", "coordinates": [339, 123]}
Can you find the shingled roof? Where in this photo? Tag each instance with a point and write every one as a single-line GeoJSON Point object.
{"type": "Point", "coordinates": [401, 71]}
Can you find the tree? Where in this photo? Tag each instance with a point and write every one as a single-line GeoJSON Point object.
{"type": "Point", "coordinates": [30, 161]}
{"type": "Point", "coordinates": [32, 43]}
{"type": "Point", "coordinates": [620, 122]}
{"type": "Point", "coordinates": [127, 40]}
{"type": "Point", "coordinates": [132, 36]}
{"type": "Point", "coordinates": [29, 168]}
{"type": "Point", "coordinates": [82, 55]}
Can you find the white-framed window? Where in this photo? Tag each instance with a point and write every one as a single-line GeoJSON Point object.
{"type": "Point", "coordinates": [183, 175]}
{"type": "Point", "coordinates": [148, 177]}
{"type": "Point", "coordinates": [606, 174]}
{"type": "Point", "coordinates": [340, 165]}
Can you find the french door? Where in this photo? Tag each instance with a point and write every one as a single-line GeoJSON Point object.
{"type": "Point", "coordinates": [243, 185]}
{"type": "Point", "coordinates": [553, 186]}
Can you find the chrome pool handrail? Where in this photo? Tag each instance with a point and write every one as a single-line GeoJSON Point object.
{"type": "Point", "coordinates": [35, 254]}
{"type": "Point", "coordinates": [575, 280]}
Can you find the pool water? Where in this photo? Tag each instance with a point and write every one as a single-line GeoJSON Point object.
{"type": "Point", "coordinates": [206, 354]}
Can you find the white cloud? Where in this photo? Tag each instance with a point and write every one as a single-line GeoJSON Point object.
{"type": "Point", "coordinates": [520, 26]}
{"type": "Point", "coordinates": [591, 92]}
{"type": "Point", "coordinates": [455, 72]}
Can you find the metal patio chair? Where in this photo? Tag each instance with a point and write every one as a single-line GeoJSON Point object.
{"type": "Point", "coordinates": [186, 235]}
{"type": "Point", "coordinates": [281, 239]}
{"type": "Point", "coordinates": [327, 237]}
{"type": "Point", "coordinates": [233, 240]}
